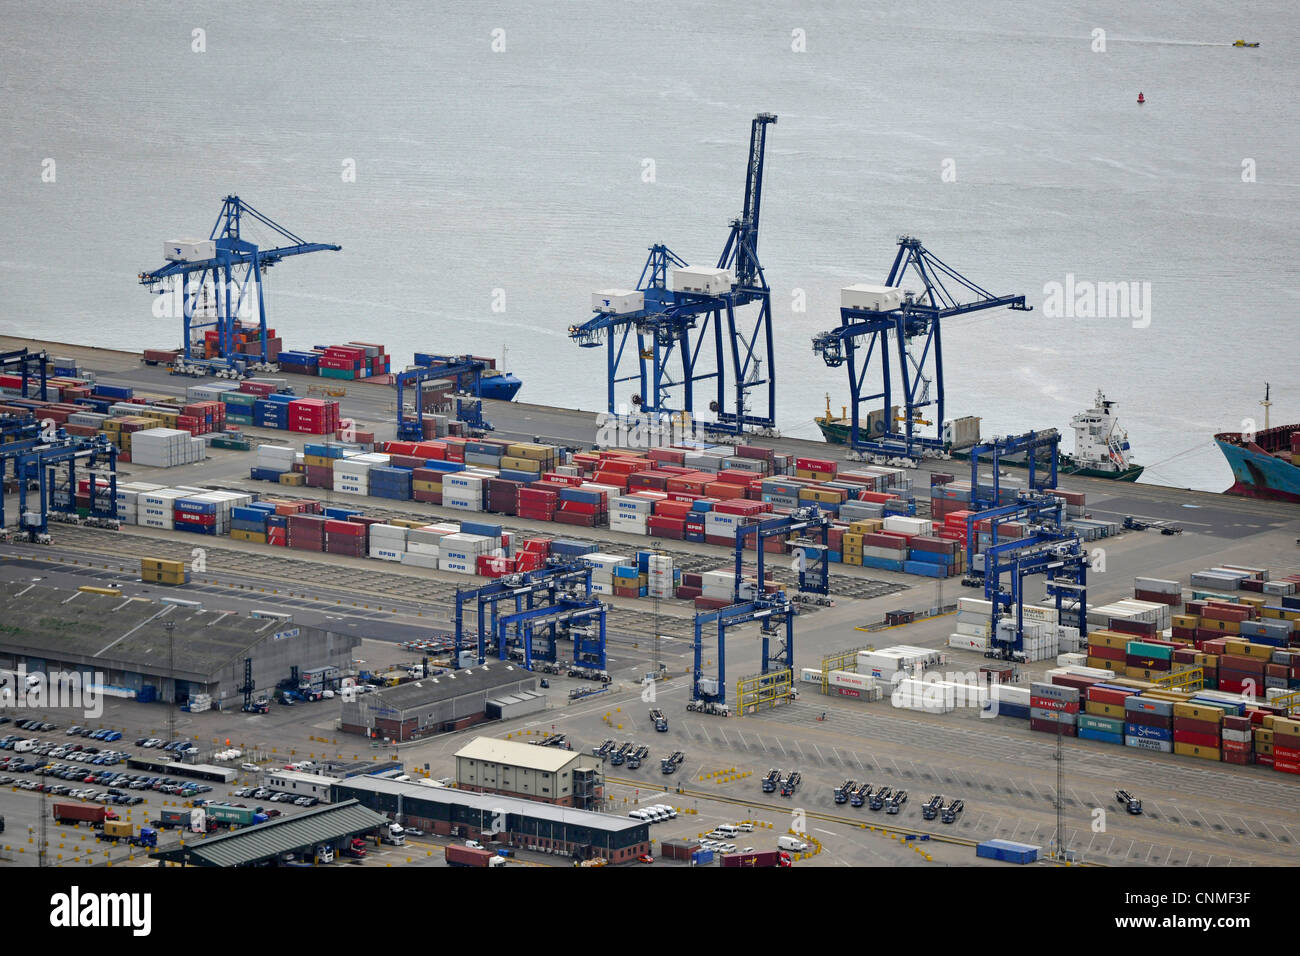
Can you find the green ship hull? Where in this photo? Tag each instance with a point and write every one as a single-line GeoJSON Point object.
{"type": "Point", "coordinates": [837, 433]}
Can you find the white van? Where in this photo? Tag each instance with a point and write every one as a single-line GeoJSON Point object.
{"type": "Point", "coordinates": [791, 843]}
{"type": "Point", "coordinates": [726, 829]}
{"type": "Point", "coordinates": [24, 746]}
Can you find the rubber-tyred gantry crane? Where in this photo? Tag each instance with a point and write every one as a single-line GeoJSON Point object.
{"type": "Point", "coordinates": [683, 326]}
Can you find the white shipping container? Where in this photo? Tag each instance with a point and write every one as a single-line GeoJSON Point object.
{"type": "Point", "coordinates": [419, 560]}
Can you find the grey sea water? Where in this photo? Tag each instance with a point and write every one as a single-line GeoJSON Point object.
{"type": "Point", "coordinates": [521, 169]}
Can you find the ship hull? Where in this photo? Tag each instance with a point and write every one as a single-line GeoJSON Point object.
{"type": "Point", "coordinates": [501, 388]}
{"type": "Point", "coordinates": [838, 434]}
{"type": "Point", "coordinates": [1257, 474]}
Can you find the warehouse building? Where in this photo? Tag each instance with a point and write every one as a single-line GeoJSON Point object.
{"type": "Point", "coordinates": [50, 630]}
{"type": "Point", "coordinates": [502, 821]}
{"type": "Point", "coordinates": [269, 844]}
{"type": "Point", "coordinates": [563, 777]}
{"type": "Point", "coordinates": [433, 705]}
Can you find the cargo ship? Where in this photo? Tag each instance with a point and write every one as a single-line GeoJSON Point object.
{"type": "Point", "coordinates": [1265, 466]}
{"type": "Point", "coordinates": [1101, 447]}
{"type": "Point", "coordinates": [498, 385]}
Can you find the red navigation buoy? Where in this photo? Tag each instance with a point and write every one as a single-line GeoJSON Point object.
{"type": "Point", "coordinates": [1141, 98]}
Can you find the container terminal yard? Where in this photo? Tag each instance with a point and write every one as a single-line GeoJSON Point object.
{"type": "Point", "coordinates": [881, 718]}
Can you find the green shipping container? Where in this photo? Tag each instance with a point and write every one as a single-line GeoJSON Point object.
{"type": "Point", "coordinates": [346, 373]}
{"type": "Point", "coordinates": [1109, 725]}
{"type": "Point", "coordinates": [1155, 651]}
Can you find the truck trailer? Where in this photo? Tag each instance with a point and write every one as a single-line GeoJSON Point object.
{"type": "Point", "coordinates": [457, 855]}
{"type": "Point", "coordinates": [78, 813]}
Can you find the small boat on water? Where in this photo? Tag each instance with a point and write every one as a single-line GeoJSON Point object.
{"type": "Point", "coordinates": [1244, 43]}
{"type": "Point", "coordinates": [1141, 99]}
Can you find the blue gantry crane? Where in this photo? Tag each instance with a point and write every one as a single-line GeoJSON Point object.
{"type": "Point", "coordinates": [524, 590]}
{"type": "Point", "coordinates": [683, 326]}
{"type": "Point", "coordinates": [775, 615]}
{"type": "Point", "coordinates": [1042, 473]}
{"type": "Point", "coordinates": [228, 268]}
{"type": "Point", "coordinates": [31, 366]}
{"type": "Point", "coordinates": [878, 320]}
{"type": "Point", "coordinates": [813, 568]}
{"type": "Point", "coordinates": [465, 371]}
{"type": "Point", "coordinates": [37, 455]}
{"type": "Point", "coordinates": [1051, 551]}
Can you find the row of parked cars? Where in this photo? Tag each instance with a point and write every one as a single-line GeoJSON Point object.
{"type": "Point", "coordinates": [116, 782]}
{"type": "Point", "coordinates": [107, 736]}
{"type": "Point", "coordinates": [275, 796]}
{"type": "Point", "coordinates": [28, 723]}
{"type": "Point", "coordinates": [33, 748]}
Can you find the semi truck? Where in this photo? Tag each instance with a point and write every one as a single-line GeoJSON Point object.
{"type": "Point", "coordinates": [117, 830]}
{"type": "Point", "coordinates": [224, 815]}
{"type": "Point", "coordinates": [930, 809]}
{"type": "Point", "coordinates": [393, 835]}
{"type": "Point", "coordinates": [196, 820]}
{"type": "Point", "coordinates": [951, 810]}
{"type": "Point", "coordinates": [1131, 803]}
{"type": "Point", "coordinates": [859, 795]}
{"type": "Point", "coordinates": [877, 801]}
{"type": "Point", "coordinates": [791, 783]}
{"type": "Point", "coordinates": [457, 855]}
{"type": "Point", "coordinates": [843, 790]}
{"type": "Point", "coordinates": [78, 813]}
{"type": "Point", "coordinates": [670, 764]}
{"type": "Point", "coordinates": [661, 722]}
{"type": "Point", "coordinates": [772, 780]}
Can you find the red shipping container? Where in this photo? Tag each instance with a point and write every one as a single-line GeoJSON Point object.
{"type": "Point", "coordinates": [1051, 727]}
{"type": "Point", "coordinates": [1200, 740]}
{"type": "Point", "coordinates": [1144, 719]}
{"type": "Point", "coordinates": [1104, 695]}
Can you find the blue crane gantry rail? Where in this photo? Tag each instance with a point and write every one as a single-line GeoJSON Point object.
{"type": "Point", "coordinates": [1052, 552]}
{"type": "Point", "coordinates": [698, 336]}
{"type": "Point", "coordinates": [774, 613]}
{"type": "Point", "coordinates": [235, 271]}
{"type": "Point", "coordinates": [524, 589]}
{"type": "Point", "coordinates": [917, 320]}
{"type": "Point", "coordinates": [814, 576]}
{"type": "Point", "coordinates": [31, 366]}
{"type": "Point", "coordinates": [465, 370]}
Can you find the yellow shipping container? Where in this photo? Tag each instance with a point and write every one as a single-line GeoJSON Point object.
{"type": "Point", "coordinates": [531, 450]}
{"type": "Point", "coordinates": [1184, 620]}
{"type": "Point", "coordinates": [1099, 709]}
{"type": "Point", "coordinates": [318, 461]}
{"type": "Point", "coordinates": [1246, 649]}
{"type": "Point", "coordinates": [1263, 736]}
{"type": "Point", "coordinates": [1285, 727]}
{"type": "Point", "coordinates": [1100, 663]}
{"type": "Point", "coordinates": [294, 479]}
{"type": "Point", "coordinates": [257, 537]}
{"type": "Point", "coordinates": [1194, 750]}
{"type": "Point", "coordinates": [852, 538]}
{"type": "Point", "coordinates": [1111, 639]}
{"type": "Point", "coordinates": [1199, 712]}
{"type": "Point", "coordinates": [427, 486]}
{"type": "Point", "coordinates": [522, 464]}
{"type": "Point", "coordinates": [407, 523]}
{"type": "Point", "coordinates": [853, 559]}
{"type": "Point", "coordinates": [1141, 685]}
{"type": "Point", "coordinates": [1281, 614]}
{"type": "Point", "coordinates": [867, 526]}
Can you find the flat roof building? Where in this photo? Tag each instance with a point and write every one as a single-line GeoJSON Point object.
{"type": "Point", "coordinates": [564, 777]}
{"type": "Point", "coordinates": [127, 641]}
{"type": "Point", "coordinates": [497, 820]}
{"type": "Point", "coordinates": [452, 701]}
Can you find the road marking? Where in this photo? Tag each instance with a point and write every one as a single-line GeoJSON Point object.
{"type": "Point", "coordinates": [820, 830]}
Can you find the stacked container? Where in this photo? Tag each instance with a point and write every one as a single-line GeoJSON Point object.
{"type": "Point", "coordinates": [166, 448]}
{"type": "Point", "coordinates": [460, 552]}
{"type": "Point", "coordinates": [388, 542]}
